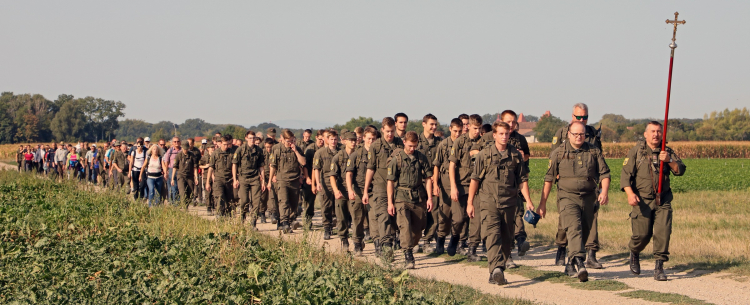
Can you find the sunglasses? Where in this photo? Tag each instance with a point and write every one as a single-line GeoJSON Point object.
{"type": "Point", "coordinates": [581, 117]}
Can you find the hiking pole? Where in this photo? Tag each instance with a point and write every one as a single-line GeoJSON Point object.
{"type": "Point", "coordinates": [672, 46]}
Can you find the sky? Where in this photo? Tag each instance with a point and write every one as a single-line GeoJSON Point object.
{"type": "Point", "coordinates": [247, 62]}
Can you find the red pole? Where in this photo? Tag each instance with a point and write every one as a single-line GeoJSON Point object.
{"type": "Point", "coordinates": [666, 119]}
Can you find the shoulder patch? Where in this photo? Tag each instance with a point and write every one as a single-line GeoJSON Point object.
{"type": "Point", "coordinates": [315, 161]}
{"type": "Point", "coordinates": [549, 165]}
{"type": "Point", "coordinates": [348, 162]}
{"type": "Point", "coordinates": [554, 140]}
{"type": "Point", "coordinates": [235, 156]}
{"type": "Point", "coordinates": [453, 151]}
{"type": "Point", "coordinates": [332, 165]}
{"type": "Point", "coordinates": [369, 155]}
{"type": "Point", "coordinates": [390, 172]}
{"type": "Point", "coordinates": [625, 162]}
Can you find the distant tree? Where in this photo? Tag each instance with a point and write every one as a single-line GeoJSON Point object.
{"type": "Point", "coordinates": [160, 134]}
{"type": "Point", "coordinates": [237, 132]}
{"type": "Point", "coordinates": [530, 118]}
{"type": "Point", "coordinates": [69, 122]}
{"type": "Point", "coordinates": [547, 126]}
{"type": "Point", "coordinates": [357, 122]}
{"type": "Point", "coordinates": [727, 125]}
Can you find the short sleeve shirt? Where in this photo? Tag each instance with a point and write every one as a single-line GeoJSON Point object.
{"type": "Point", "coordinates": [500, 174]}
{"type": "Point", "coordinates": [580, 170]}
{"type": "Point", "coordinates": [640, 171]}
{"type": "Point", "coordinates": [250, 161]}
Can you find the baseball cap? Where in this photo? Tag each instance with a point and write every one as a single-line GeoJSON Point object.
{"type": "Point", "coordinates": [350, 136]}
{"type": "Point", "coordinates": [210, 145]}
{"type": "Point", "coordinates": [93, 145]}
{"type": "Point", "coordinates": [271, 130]}
{"type": "Point", "coordinates": [147, 139]}
{"type": "Point", "coordinates": [531, 217]}
{"type": "Point", "coordinates": [204, 141]}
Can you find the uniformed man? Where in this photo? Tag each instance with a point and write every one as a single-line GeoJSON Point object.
{"type": "Point", "coordinates": [651, 216]}
{"type": "Point", "coordinates": [465, 120]}
{"type": "Point", "coordinates": [409, 194]}
{"type": "Point", "coordinates": [220, 167]}
{"type": "Point", "coordinates": [402, 120]}
{"type": "Point", "coordinates": [356, 170]}
{"type": "Point", "coordinates": [269, 195]}
{"type": "Point", "coordinates": [247, 173]}
{"type": "Point", "coordinates": [499, 174]}
{"type": "Point", "coordinates": [310, 188]}
{"type": "Point", "coordinates": [19, 157]}
{"type": "Point", "coordinates": [346, 215]}
{"type": "Point", "coordinates": [205, 164]}
{"type": "Point", "coordinates": [321, 168]}
{"type": "Point", "coordinates": [120, 165]}
{"type": "Point", "coordinates": [459, 171]}
{"type": "Point", "coordinates": [428, 144]}
{"type": "Point", "coordinates": [443, 189]}
{"type": "Point", "coordinates": [377, 172]}
{"type": "Point", "coordinates": [593, 136]}
{"type": "Point", "coordinates": [360, 132]}
{"type": "Point", "coordinates": [287, 161]}
{"type": "Point", "coordinates": [577, 167]}
{"type": "Point", "coordinates": [103, 166]}
{"type": "Point", "coordinates": [185, 173]}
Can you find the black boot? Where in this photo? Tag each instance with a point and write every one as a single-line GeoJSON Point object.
{"type": "Point", "coordinates": [326, 233]}
{"type": "Point", "coordinates": [472, 255]}
{"type": "Point", "coordinates": [497, 277]}
{"type": "Point", "coordinates": [510, 264]}
{"type": "Point", "coordinates": [523, 246]}
{"type": "Point", "coordinates": [635, 263]}
{"type": "Point", "coordinates": [484, 245]}
{"type": "Point", "coordinates": [408, 259]}
{"type": "Point", "coordinates": [463, 249]}
{"type": "Point", "coordinates": [570, 268]}
{"type": "Point", "coordinates": [583, 274]}
{"type": "Point", "coordinates": [274, 219]}
{"type": "Point", "coordinates": [263, 218]}
{"type": "Point", "coordinates": [358, 247]}
{"type": "Point", "coordinates": [562, 252]}
{"type": "Point", "coordinates": [439, 246]}
{"type": "Point", "coordinates": [452, 245]}
{"type": "Point", "coordinates": [345, 244]}
{"type": "Point", "coordinates": [367, 236]}
{"type": "Point", "coordinates": [659, 274]}
{"type": "Point", "coordinates": [377, 247]}
{"type": "Point", "coordinates": [591, 261]}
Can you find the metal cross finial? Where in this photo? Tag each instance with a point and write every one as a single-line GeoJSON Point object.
{"type": "Point", "coordinates": [674, 33]}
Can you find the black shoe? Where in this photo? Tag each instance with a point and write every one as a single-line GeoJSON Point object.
{"type": "Point", "coordinates": [583, 274]}
{"type": "Point", "coordinates": [570, 268]}
{"type": "Point", "coordinates": [484, 246]}
{"type": "Point", "coordinates": [367, 236]}
{"type": "Point", "coordinates": [274, 220]}
{"type": "Point", "coordinates": [327, 234]}
{"type": "Point", "coordinates": [263, 218]}
{"type": "Point", "coordinates": [635, 263]}
{"type": "Point", "coordinates": [296, 225]}
{"type": "Point", "coordinates": [452, 245]}
{"type": "Point", "coordinates": [408, 259]}
{"type": "Point", "coordinates": [439, 246]}
{"type": "Point", "coordinates": [497, 277]}
{"type": "Point", "coordinates": [659, 274]}
{"type": "Point", "coordinates": [591, 261]}
{"type": "Point", "coordinates": [472, 255]}
{"type": "Point", "coordinates": [562, 252]}
{"type": "Point", "coordinates": [523, 247]}
{"type": "Point", "coordinates": [463, 249]}
{"type": "Point", "coordinates": [510, 264]}
{"type": "Point", "coordinates": [377, 247]}
{"type": "Point", "coordinates": [345, 244]}
{"type": "Point", "coordinates": [282, 226]}
{"type": "Point", "coordinates": [358, 247]}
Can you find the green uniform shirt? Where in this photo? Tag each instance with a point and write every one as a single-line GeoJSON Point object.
{"type": "Point", "coordinates": [593, 137]}
{"type": "Point", "coordinates": [304, 144]}
{"type": "Point", "coordinates": [460, 155]}
{"type": "Point", "coordinates": [185, 165]}
{"type": "Point", "coordinates": [310, 151]}
{"type": "Point", "coordinates": [377, 160]}
{"type": "Point", "coordinates": [322, 162]}
{"type": "Point", "coordinates": [442, 154]}
{"type": "Point", "coordinates": [121, 160]}
{"type": "Point", "coordinates": [284, 160]}
{"type": "Point", "coordinates": [408, 174]}
{"type": "Point", "coordinates": [428, 147]}
{"type": "Point", "coordinates": [580, 170]}
{"type": "Point", "coordinates": [338, 170]}
{"type": "Point", "coordinates": [221, 162]}
{"type": "Point", "coordinates": [357, 165]}
{"type": "Point", "coordinates": [640, 171]}
{"type": "Point", "coordinates": [500, 174]}
{"type": "Point", "coordinates": [249, 160]}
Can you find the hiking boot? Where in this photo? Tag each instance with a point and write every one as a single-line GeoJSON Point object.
{"type": "Point", "coordinates": [345, 244]}
{"type": "Point", "coordinates": [583, 274]}
{"type": "Point", "coordinates": [377, 247]}
{"type": "Point", "coordinates": [562, 252]}
{"type": "Point", "coordinates": [367, 236]}
{"type": "Point", "coordinates": [358, 247]}
{"type": "Point", "coordinates": [472, 255]}
{"type": "Point", "coordinates": [523, 246]}
{"type": "Point", "coordinates": [263, 218]}
{"type": "Point", "coordinates": [497, 277]}
{"type": "Point", "coordinates": [570, 268]}
{"type": "Point", "coordinates": [296, 225]}
{"type": "Point", "coordinates": [453, 245]}
{"type": "Point", "coordinates": [439, 246]}
{"type": "Point", "coordinates": [484, 245]}
{"type": "Point", "coordinates": [510, 264]}
{"type": "Point", "coordinates": [635, 263]}
{"type": "Point", "coordinates": [463, 249]}
{"type": "Point", "coordinates": [326, 233]}
{"type": "Point", "coordinates": [418, 248]}
{"type": "Point", "coordinates": [408, 259]}
{"type": "Point", "coordinates": [591, 261]}
{"type": "Point", "coordinates": [274, 220]}
{"type": "Point", "coordinates": [659, 274]}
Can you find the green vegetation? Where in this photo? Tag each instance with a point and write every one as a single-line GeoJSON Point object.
{"type": "Point", "coordinates": [62, 243]}
{"type": "Point", "coordinates": [671, 298]}
{"type": "Point", "coordinates": [608, 285]}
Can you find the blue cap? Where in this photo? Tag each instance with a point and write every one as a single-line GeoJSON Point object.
{"type": "Point", "coordinates": [531, 217]}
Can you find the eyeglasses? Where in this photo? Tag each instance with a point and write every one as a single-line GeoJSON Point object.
{"type": "Point", "coordinates": [577, 134]}
{"type": "Point", "coordinates": [581, 117]}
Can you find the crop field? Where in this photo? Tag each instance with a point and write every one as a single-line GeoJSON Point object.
{"type": "Point", "coordinates": [62, 243]}
{"type": "Point", "coordinates": [686, 150]}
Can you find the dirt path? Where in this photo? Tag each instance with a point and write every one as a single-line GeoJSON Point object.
{"type": "Point", "coordinates": [711, 288]}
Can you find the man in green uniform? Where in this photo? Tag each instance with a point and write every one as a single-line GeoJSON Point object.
{"type": "Point", "coordinates": [356, 170]}
{"type": "Point", "coordinates": [310, 188]}
{"type": "Point", "coordinates": [459, 170]}
{"type": "Point", "coordinates": [19, 157]}
{"type": "Point", "coordinates": [409, 194]}
{"type": "Point", "coordinates": [306, 139]}
{"type": "Point", "coordinates": [377, 172]}
{"type": "Point", "coordinates": [593, 136]}
{"type": "Point", "coordinates": [103, 166]}
{"type": "Point", "coordinates": [651, 216]}
{"type": "Point", "coordinates": [402, 120]}
{"type": "Point", "coordinates": [185, 173]}
{"type": "Point", "coordinates": [204, 165]}
{"type": "Point", "coordinates": [247, 173]}
{"type": "Point", "coordinates": [120, 165]}
{"type": "Point", "coordinates": [360, 132]}
{"type": "Point", "coordinates": [428, 144]}
{"type": "Point", "coordinates": [269, 195]}
{"type": "Point", "coordinates": [499, 174]}
{"type": "Point", "coordinates": [443, 189]}
{"type": "Point", "coordinates": [221, 170]}
{"type": "Point", "coordinates": [346, 214]}
{"type": "Point", "coordinates": [286, 173]}
{"type": "Point", "coordinates": [321, 168]}
{"type": "Point", "coordinates": [577, 167]}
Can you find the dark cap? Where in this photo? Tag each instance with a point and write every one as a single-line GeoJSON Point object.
{"type": "Point", "coordinates": [350, 136]}
{"type": "Point", "coordinates": [271, 130]}
{"type": "Point", "coordinates": [344, 131]}
{"type": "Point", "coordinates": [210, 145]}
{"type": "Point", "coordinates": [185, 146]}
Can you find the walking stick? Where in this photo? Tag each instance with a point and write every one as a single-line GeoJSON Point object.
{"type": "Point", "coordinates": [673, 45]}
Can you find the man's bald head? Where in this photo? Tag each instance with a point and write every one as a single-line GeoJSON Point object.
{"type": "Point", "coordinates": [576, 134]}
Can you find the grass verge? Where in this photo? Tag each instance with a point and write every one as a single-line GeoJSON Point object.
{"type": "Point", "coordinates": [671, 298]}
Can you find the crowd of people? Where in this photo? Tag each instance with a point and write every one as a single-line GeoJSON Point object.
{"type": "Point", "coordinates": [461, 190]}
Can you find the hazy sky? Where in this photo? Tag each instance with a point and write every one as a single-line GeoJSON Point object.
{"type": "Point", "coordinates": [247, 62]}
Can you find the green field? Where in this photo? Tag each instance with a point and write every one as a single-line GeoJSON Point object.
{"type": "Point", "coordinates": [701, 174]}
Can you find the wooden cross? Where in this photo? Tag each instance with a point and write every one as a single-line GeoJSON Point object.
{"type": "Point", "coordinates": [675, 22]}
